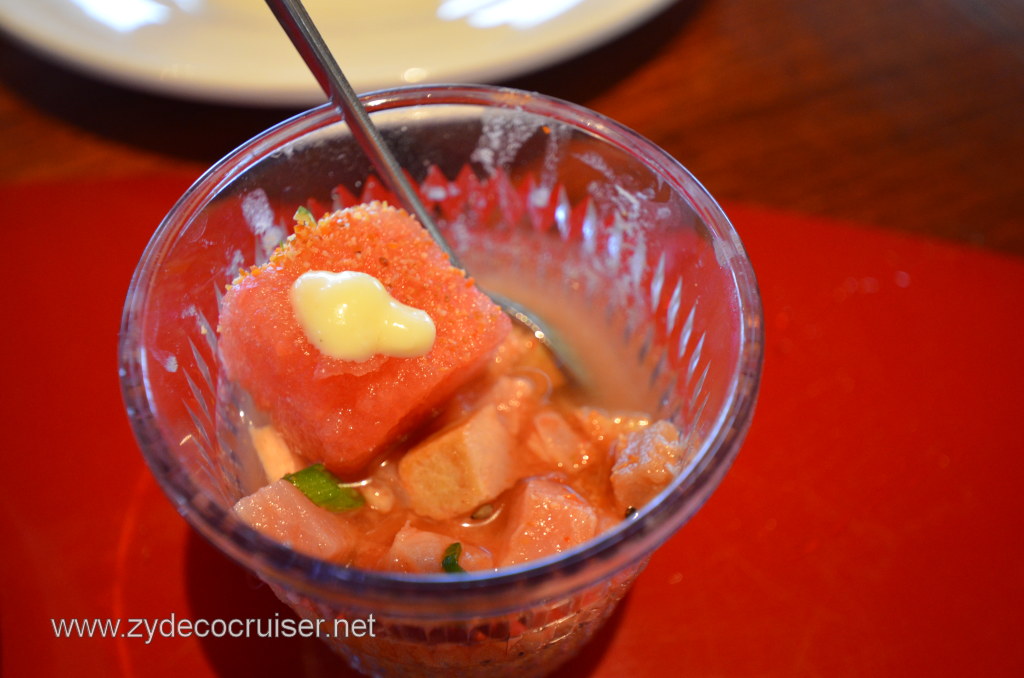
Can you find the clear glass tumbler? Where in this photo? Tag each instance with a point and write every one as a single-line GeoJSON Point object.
{"type": "Point", "coordinates": [590, 225]}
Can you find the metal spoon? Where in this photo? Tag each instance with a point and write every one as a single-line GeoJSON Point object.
{"type": "Point", "coordinates": [314, 51]}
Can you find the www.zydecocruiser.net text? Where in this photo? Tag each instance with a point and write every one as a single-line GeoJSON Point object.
{"type": "Point", "coordinates": [174, 627]}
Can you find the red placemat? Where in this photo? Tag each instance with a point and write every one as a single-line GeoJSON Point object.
{"type": "Point", "coordinates": [872, 524]}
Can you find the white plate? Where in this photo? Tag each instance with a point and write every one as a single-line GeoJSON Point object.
{"type": "Point", "coordinates": [233, 51]}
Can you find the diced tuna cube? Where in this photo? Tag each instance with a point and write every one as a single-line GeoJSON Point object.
{"type": "Point", "coordinates": [415, 550]}
{"type": "Point", "coordinates": [514, 397]}
{"type": "Point", "coordinates": [460, 468]}
{"type": "Point", "coordinates": [546, 517]}
{"type": "Point", "coordinates": [282, 512]}
{"type": "Point", "coordinates": [554, 441]}
{"type": "Point", "coordinates": [521, 352]}
{"type": "Point", "coordinates": [646, 461]}
{"type": "Point", "coordinates": [601, 425]}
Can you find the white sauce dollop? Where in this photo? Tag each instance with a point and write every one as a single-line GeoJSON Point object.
{"type": "Point", "coordinates": [351, 316]}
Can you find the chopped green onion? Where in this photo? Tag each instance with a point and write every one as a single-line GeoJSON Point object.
{"type": "Point", "coordinates": [324, 489]}
{"type": "Point", "coordinates": [450, 561]}
{"type": "Point", "coordinates": [304, 216]}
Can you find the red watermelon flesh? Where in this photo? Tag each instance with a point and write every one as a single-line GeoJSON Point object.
{"type": "Point", "coordinates": [339, 412]}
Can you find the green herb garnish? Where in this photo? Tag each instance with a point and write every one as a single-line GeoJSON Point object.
{"type": "Point", "coordinates": [324, 489]}
{"type": "Point", "coordinates": [304, 216]}
{"type": "Point", "coordinates": [450, 561]}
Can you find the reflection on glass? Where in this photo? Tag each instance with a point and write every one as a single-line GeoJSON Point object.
{"type": "Point", "coordinates": [516, 13]}
{"type": "Point", "coordinates": [125, 15]}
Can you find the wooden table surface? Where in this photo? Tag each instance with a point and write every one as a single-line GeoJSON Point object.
{"type": "Point", "coordinates": [905, 114]}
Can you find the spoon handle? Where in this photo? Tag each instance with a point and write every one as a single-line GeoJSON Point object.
{"type": "Point", "coordinates": [314, 51]}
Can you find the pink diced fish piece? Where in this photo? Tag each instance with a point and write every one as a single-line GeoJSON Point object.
{"type": "Point", "coordinates": [646, 461]}
{"type": "Point", "coordinates": [415, 550]}
{"type": "Point", "coordinates": [282, 512]}
{"type": "Point", "coordinates": [555, 441]}
{"type": "Point", "coordinates": [545, 518]}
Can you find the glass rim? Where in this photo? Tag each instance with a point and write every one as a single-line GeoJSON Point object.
{"type": "Point", "coordinates": [649, 528]}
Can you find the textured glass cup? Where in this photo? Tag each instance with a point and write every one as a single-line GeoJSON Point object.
{"type": "Point", "coordinates": [588, 224]}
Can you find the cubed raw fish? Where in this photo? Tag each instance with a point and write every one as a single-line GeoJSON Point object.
{"type": "Point", "coordinates": [460, 468]}
{"type": "Point", "coordinates": [282, 512]}
{"type": "Point", "coordinates": [546, 517]}
{"type": "Point", "coordinates": [514, 398]}
{"type": "Point", "coordinates": [415, 550]}
{"type": "Point", "coordinates": [523, 352]}
{"type": "Point", "coordinates": [343, 412]}
{"type": "Point", "coordinates": [646, 461]}
{"type": "Point", "coordinates": [601, 425]}
{"type": "Point", "coordinates": [555, 441]}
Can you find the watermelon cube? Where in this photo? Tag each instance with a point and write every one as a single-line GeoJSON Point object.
{"type": "Point", "coordinates": [344, 412]}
